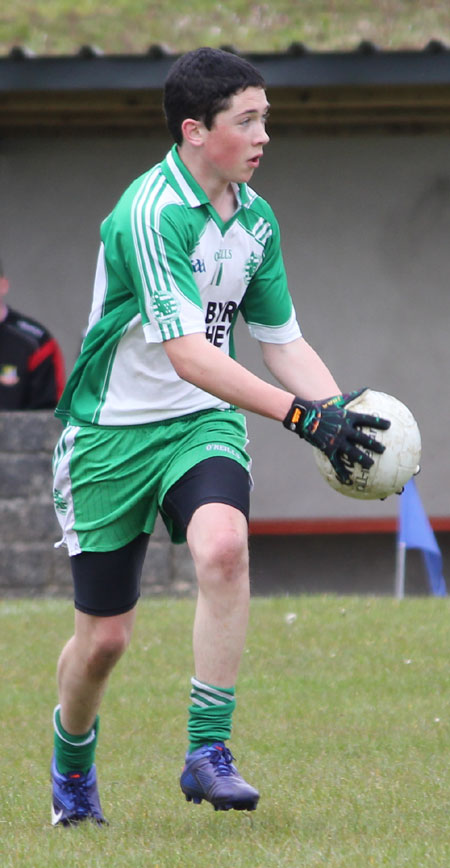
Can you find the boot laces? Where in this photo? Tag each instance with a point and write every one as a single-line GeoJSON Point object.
{"type": "Point", "coordinates": [221, 758]}
{"type": "Point", "coordinates": [76, 786]}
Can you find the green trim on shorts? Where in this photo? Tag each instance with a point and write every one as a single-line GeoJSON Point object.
{"type": "Point", "coordinates": [117, 477]}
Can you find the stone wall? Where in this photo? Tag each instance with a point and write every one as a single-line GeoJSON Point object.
{"type": "Point", "coordinates": [29, 563]}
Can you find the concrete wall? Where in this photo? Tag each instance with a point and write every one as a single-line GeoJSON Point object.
{"type": "Point", "coordinates": [365, 223]}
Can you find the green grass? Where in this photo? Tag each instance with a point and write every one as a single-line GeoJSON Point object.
{"type": "Point", "coordinates": [130, 26]}
{"type": "Point", "coordinates": [343, 722]}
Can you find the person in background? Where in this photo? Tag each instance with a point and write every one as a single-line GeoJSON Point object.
{"type": "Point", "coordinates": [32, 374]}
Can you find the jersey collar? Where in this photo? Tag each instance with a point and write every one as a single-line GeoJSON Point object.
{"type": "Point", "coordinates": [186, 185]}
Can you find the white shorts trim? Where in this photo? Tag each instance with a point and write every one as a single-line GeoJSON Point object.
{"type": "Point", "coordinates": [62, 490]}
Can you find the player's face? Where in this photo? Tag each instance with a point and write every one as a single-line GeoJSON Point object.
{"type": "Point", "coordinates": [234, 145]}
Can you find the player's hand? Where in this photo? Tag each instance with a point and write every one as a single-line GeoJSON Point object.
{"type": "Point", "coordinates": [336, 431]}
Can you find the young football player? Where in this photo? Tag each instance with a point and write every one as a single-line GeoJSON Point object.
{"type": "Point", "coordinates": [153, 418]}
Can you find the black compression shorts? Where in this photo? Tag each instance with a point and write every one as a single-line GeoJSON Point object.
{"type": "Point", "coordinates": [108, 583]}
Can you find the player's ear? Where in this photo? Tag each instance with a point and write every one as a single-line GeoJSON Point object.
{"type": "Point", "coordinates": [193, 131]}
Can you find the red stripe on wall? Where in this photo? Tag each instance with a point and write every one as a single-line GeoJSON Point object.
{"type": "Point", "coordinates": [294, 526]}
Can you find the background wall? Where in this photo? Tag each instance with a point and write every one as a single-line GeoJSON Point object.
{"type": "Point", "coordinates": [30, 564]}
{"type": "Point", "coordinates": [365, 224]}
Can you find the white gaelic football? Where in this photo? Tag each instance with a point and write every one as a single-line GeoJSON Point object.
{"type": "Point", "coordinates": [399, 461]}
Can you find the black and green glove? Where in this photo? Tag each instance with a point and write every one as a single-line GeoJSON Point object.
{"type": "Point", "coordinates": [336, 431]}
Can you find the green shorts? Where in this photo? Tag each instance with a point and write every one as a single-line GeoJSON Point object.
{"type": "Point", "coordinates": [110, 482]}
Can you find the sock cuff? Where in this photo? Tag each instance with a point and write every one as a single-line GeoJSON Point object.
{"type": "Point", "coordinates": [79, 740]}
{"type": "Point", "coordinates": [205, 695]}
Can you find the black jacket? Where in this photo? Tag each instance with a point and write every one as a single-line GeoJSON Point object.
{"type": "Point", "coordinates": [31, 365]}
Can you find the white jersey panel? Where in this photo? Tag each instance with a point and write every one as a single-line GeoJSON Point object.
{"type": "Point", "coordinates": [222, 265]}
{"type": "Point", "coordinates": [153, 390]}
{"type": "Point", "coordinates": [100, 288]}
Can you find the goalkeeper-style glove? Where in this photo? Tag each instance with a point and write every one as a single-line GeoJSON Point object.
{"type": "Point", "coordinates": [336, 431]}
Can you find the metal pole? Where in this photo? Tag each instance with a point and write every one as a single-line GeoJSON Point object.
{"type": "Point", "coordinates": [400, 570]}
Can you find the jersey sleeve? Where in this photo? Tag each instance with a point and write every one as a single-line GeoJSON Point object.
{"type": "Point", "coordinates": [267, 306]}
{"type": "Point", "coordinates": [168, 297]}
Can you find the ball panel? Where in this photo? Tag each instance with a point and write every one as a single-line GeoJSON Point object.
{"type": "Point", "coordinates": [398, 463]}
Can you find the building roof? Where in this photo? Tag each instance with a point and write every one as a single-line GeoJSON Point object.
{"type": "Point", "coordinates": [363, 87]}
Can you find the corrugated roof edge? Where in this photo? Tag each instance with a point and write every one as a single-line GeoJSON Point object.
{"type": "Point", "coordinates": [90, 68]}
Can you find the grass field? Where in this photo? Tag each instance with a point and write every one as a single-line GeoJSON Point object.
{"type": "Point", "coordinates": [121, 26]}
{"type": "Point", "coordinates": [343, 723]}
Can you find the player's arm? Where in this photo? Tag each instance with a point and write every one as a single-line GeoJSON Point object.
{"type": "Point", "coordinates": [318, 413]}
{"type": "Point", "coordinates": [298, 368]}
{"type": "Point", "coordinates": [199, 362]}
{"type": "Point", "coordinates": [325, 424]}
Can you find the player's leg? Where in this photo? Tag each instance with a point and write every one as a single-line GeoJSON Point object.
{"type": "Point", "coordinates": [106, 590]}
{"type": "Point", "coordinates": [83, 671]}
{"type": "Point", "coordinates": [218, 541]}
{"type": "Point", "coordinates": [85, 664]}
{"type": "Point", "coordinates": [212, 502]}
{"type": "Point", "coordinates": [106, 492]}
{"type": "Point", "coordinates": [217, 537]}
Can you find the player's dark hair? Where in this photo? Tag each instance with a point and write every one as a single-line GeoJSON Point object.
{"type": "Point", "coordinates": [201, 83]}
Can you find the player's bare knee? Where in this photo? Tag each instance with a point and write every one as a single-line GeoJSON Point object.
{"type": "Point", "coordinates": [223, 556]}
{"type": "Point", "coordinates": [106, 648]}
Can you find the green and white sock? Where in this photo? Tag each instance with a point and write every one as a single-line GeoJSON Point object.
{"type": "Point", "coordinates": [73, 753]}
{"type": "Point", "coordinates": [209, 714]}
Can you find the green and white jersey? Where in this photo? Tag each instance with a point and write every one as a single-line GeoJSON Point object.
{"type": "Point", "coordinates": [168, 266]}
